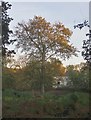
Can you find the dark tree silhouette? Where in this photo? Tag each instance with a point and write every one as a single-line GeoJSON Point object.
{"type": "Point", "coordinates": [5, 6]}
{"type": "Point", "coordinates": [86, 53]}
{"type": "Point", "coordinates": [81, 25]}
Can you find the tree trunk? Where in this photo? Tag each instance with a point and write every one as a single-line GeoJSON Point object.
{"type": "Point", "coordinates": [43, 89]}
{"type": "Point", "coordinates": [43, 70]}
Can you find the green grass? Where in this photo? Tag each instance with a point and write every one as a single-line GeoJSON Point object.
{"type": "Point", "coordinates": [48, 105]}
{"type": "Point", "coordinates": [8, 95]}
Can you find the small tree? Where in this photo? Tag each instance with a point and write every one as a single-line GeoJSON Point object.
{"type": "Point", "coordinates": [78, 78]}
{"type": "Point", "coordinates": [42, 40]}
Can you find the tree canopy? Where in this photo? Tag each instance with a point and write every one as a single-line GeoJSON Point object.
{"type": "Point", "coordinates": [39, 38]}
{"type": "Point", "coordinates": [42, 40]}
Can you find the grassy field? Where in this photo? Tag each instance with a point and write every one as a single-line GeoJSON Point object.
{"type": "Point", "coordinates": [27, 104]}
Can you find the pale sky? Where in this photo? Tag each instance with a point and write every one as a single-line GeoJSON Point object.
{"type": "Point", "coordinates": [69, 13]}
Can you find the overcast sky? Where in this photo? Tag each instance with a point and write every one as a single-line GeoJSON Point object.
{"type": "Point", "coordinates": [69, 13]}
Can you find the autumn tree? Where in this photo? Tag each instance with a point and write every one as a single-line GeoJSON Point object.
{"type": "Point", "coordinates": [56, 67]}
{"type": "Point", "coordinates": [43, 40]}
{"type": "Point", "coordinates": [54, 71]}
